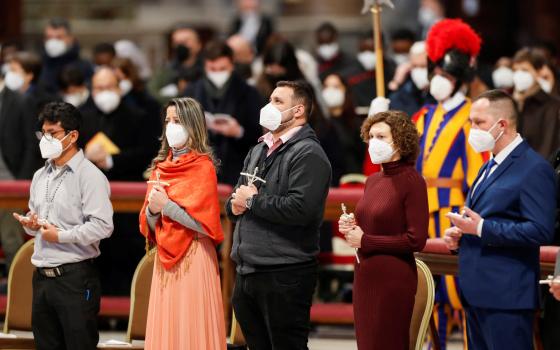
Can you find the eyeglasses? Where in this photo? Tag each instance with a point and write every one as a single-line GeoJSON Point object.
{"type": "Point", "coordinates": [49, 136]}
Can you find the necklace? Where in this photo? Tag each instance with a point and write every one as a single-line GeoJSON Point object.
{"type": "Point", "coordinates": [51, 200]}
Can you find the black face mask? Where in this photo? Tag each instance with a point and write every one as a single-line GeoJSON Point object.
{"type": "Point", "coordinates": [182, 53]}
{"type": "Point", "coordinates": [274, 78]}
{"type": "Point", "coordinates": [244, 70]}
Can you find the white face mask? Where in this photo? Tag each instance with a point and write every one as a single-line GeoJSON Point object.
{"type": "Point", "coordinates": [367, 59]}
{"type": "Point", "coordinates": [125, 85]}
{"type": "Point", "coordinates": [523, 80]}
{"type": "Point", "coordinates": [107, 101]}
{"type": "Point", "coordinates": [5, 69]}
{"type": "Point", "coordinates": [441, 88]}
{"type": "Point", "coordinates": [380, 151]}
{"type": "Point", "coordinates": [328, 51]}
{"type": "Point", "coordinates": [176, 135]}
{"type": "Point", "coordinates": [14, 81]}
{"type": "Point", "coordinates": [333, 97]}
{"type": "Point", "coordinates": [219, 79]}
{"type": "Point", "coordinates": [426, 16]}
{"type": "Point", "coordinates": [419, 77]}
{"type": "Point", "coordinates": [482, 140]}
{"type": "Point", "coordinates": [502, 78]}
{"type": "Point", "coordinates": [400, 58]}
{"type": "Point", "coordinates": [546, 85]}
{"type": "Point", "coordinates": [51, 149]}
{"type": "Point", "coordinates": [271, 117]}
{"type": "Point", "coordinates": [76, 99]}
{"type": "Point", "coordinates": [55, 47]}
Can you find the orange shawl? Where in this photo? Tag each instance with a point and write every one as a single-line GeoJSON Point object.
{"type": "Point", "coordinates": [193, 186]}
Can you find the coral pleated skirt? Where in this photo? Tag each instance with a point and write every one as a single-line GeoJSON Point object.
{"type": "Point", "coordinates": [186, 310]}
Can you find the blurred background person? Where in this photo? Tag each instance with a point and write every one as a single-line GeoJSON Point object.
{"type": "Point", "coordinates": [61, 49]}
{"type": "Point", "coordinates": [73, 88]}
{"type": "Point", "coordinates": [279, 62]}
{"type": "Point", "coordinates": [103, 54]}
{"type": "Point", "coordinates": [129, 129]}
{"type": "Point", "coordinates": [402, 40]}
{"type": "Point", "coordinates": [344, 129]}
{"type": "Point", "coordinates": [360, 74]}
{"type": "Point", "coordinates": [251, 24]}
{"type": "Point", "coordinates": [429, 13]}
{"type": "Point", "coordinates": [548, 79]}
{"type": "Point", "coordinates": [538, 121]}
{"type": "Point", "coordinates": [243, 57]}
{"type": "Point", "coordinates": [23, 77]}
{"type": "Point", "coordinates": [133, 91]}
{"type": "Point", "coordinates": [14, 147]}
{"type": "Point", "coordinates": [186, 59]}
{"type": "Point", "coordinates": [128, 49]}
{"type": "Point", "coordinates": [414, 92]}
{"type": "Point", "coordinates": [502, 75]}
{"type": "Point", "coordinates": [330, 57]}
{"type": "Point", "coordinates": [233, 109]}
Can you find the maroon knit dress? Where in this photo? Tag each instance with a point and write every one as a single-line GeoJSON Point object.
{"type": "Point", "coordinates": [393, 213]}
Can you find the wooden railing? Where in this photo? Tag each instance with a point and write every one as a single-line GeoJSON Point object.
{"type": "Point", "coordinates": [128, 197]}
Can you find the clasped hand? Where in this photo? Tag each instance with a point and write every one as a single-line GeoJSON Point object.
{"type": "Point", "coordinates": [157, 199]}
{"type": "Point", "coordinates": [239, 198]}
{"type": "Point", "coordinates": [31, 221]}
{"type": "Point", "coordinates": [352, 232]}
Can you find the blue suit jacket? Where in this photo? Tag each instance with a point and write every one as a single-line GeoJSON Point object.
{"type": "Point", "coordinates": [500, 270]}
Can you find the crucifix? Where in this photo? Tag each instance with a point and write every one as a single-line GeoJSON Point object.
{"type": "Point", "coordinates": [252, 178]}
{"type": "Point", "coordinates": [158, 182]}
{"type": "Point", "coordinates": [349, 217]}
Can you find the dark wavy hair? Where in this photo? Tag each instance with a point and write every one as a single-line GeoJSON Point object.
{"type": "Point", "coordinates": [405, 135]}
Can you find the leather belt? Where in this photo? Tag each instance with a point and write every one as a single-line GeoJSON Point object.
{"type": "Point", "coordinates": [444, 182]}
{"type": "Point", "coordinates": [58, 271]}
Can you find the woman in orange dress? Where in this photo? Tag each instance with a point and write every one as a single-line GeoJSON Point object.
{"type": "Point", "coordinates": [181, 215]}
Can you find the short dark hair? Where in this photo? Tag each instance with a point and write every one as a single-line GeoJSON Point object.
{"type": "Point", "coordinates": [535, 57]}
{"type": "Point", "coordinates": [69, 116]}
{"type": "Point", "coordinates": [104, 48]}
{"type": "Point", "coordinates": [499, 95]}
{"type": "Point", "coordinates": [30, 62]}
{"type": "Point", "coordinates": [327, 27]}
{"type": "Point", "coordinates": [403, 34]}
{"type": "Point", "coordinates": [59, 22]}
{"type": "Point", "coordinates": [182, 26]}
{"type": "Point", "coordinates": [216, 49]}
{"type": "Point", "coordinates": [303, 92]}
{"type": "Point", "coordinates": [71, 75]}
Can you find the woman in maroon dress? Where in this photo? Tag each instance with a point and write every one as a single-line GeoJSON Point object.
{"type": "Point", "coordinates": [391, 224]}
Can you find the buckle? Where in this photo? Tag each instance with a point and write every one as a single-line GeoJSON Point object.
{"type": "Point", "coordinates": [52, 272]}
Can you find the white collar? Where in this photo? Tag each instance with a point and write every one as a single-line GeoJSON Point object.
{"type": "Point", "coordinates": [503, 154]}
{"type": "Point", "coordinates": [454, 101]}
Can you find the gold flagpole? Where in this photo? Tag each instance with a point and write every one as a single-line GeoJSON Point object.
{"type": "Point", "coordinates": [379, 72]}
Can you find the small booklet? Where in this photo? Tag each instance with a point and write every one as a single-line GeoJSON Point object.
{"type": "Point", "coordinates": [217, 118]}
{"type": "Point", "coordinates": [105, 142]}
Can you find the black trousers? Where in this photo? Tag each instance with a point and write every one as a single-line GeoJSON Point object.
{"type": "Point", "coordinates": [65, 308]}
{"type": "Point", "coordinates": [273, 308]}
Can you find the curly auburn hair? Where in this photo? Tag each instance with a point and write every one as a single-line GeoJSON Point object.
{"type": "Point", "coordinates": [405, 135]}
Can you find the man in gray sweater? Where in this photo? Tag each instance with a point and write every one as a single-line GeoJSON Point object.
{"type": "Point", "coordinates": [278, 215]}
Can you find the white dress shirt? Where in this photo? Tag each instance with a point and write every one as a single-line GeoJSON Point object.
{"type": "Point", "coordinates": [499, 158]}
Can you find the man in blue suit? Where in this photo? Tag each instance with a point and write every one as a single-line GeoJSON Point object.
{"type": "Point", "coordinates": [509, 213]}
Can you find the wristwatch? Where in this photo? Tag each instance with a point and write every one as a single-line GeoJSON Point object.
{"type": "Point", "coordinates": [249, 202]}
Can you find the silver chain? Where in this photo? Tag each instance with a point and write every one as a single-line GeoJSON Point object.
{"type": "Point", "coordinates": [51, 200]}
